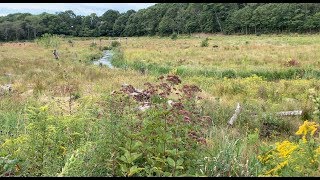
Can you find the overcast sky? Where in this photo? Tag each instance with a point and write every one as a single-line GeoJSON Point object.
{"type": "Point", "coordinates": [77, 8]}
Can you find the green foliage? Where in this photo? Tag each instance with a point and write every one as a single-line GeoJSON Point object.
{"type": "Point", "coordinates": [77, 162]}
{"type": "Point", "coordinates": [161, 141]}
{"type": "Point", "coordinates": [93, 44]}
{"type": "Point", "coordinates": [93, 56]}
{"type": "Point", "coordinates": [205, 43]}
{"type": "Point", "coordinates": [8, 167]}
{"type": "Point", "coordinates": [115, 44]}
{"type": "Point", "coordinates": [118, 58]}
{"type": "Point", "coordinates": [71, 43]}
{"type": "Point", "coordinates": [273, 126]}
{"type": "Point", "coordinates": [41, 150]}
{"type": "Point", "coordinates": [104, 48]}
{"type": "Point", "coordinates": [293, 158]}
{"type": "Point", "coordinates": [164, 19]}
{"type": "Point", "coordinates": [49, 41]}
{"type": "Point", "coordinates": [174, 36]}
{"type": "Point", "coordinates": [313, 95]}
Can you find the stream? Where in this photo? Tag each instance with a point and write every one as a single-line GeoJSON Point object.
{"type": "Point", "coordinates": [105, 60]}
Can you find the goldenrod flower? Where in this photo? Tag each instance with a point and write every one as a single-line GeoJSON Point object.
{"type": "Point", "coordinates": [44, 108]}
{"type": "Point", "coordinates": [285, 148]}
{"type": "Point", "coordinates": [306, 128]}
{"type": "Point", "coordinates": [264, 158]}
{"type": "Point", "coordinates": [278, 167]}
{"type": "Point", "coordinates": [64, 150]}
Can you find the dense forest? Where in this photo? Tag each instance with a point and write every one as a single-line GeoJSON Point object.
{"type": "Point", "coordinates": [168, 18]}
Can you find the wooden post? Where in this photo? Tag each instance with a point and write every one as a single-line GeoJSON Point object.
{"type": "Point", "coordinates": [55, 53]}
{"type": "Point", "coordinates": [235, 115]}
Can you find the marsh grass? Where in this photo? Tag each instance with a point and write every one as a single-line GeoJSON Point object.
{"type": "Point", "coordinates": [264, 52]}
{"type": "Point", "coordinates": [79, 121]}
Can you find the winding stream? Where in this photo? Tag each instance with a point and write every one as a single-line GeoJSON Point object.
{"type": "Point", "coordinates": [105, 59]}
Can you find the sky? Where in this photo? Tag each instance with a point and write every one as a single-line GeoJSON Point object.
{"type": "Point", "coordinates": [77, 8]}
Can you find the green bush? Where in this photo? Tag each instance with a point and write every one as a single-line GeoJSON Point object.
{"type": "Point", "coordinates": [93, 44]}
{"type": "Point", "coordinates": [49, 41]}
{"type": "Point", "coordinates": [174, 36]}
{"type": "Point", "coordinates": [117, 59]}
{"type": "Point", "coordinates": [115, 44]}
{"type": "Point", "coordinates": [205, 43]}
{"type": "Point", "coordinates": [164, 140]}
{"type": "Point", "coordinates": [106, 48]}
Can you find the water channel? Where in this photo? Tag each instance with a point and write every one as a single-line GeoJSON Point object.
{"type": "Point", "coordinates": [105, 60]}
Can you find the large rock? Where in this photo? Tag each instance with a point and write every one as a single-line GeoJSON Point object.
{"type": "Point", "coordinates": [4, 89]}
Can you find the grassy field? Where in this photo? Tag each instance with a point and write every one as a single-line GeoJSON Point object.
{"type": "Point", "coordinates": [233, 52]}
{"type": "Point", "coordinates": [271, 57]}
{"type": "Point", "coordinates": [68, 117]}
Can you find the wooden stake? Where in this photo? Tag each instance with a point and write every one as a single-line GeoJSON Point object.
{"type": "Point", "coordinates": [235, 115]}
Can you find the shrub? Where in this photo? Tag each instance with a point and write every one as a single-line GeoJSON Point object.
{"type": "Point", "coordinates": [42, 148]}
{"type": "Point", "coordinates": [316, 100]}
{"type": "Point", "coordinates": [164, 140]}
{"type": "Point", "coordinates": [115, 44]}
{"type": "Point", "coordinates": [106, 48]}
{"type": "Point", "coordinates": [287, 158]}
{"type": "Point", "coordinates": [93, 44]}
{"type": "Point", "coordinates": [71, 43]}
{"type": "Point", "coordinates": [205, 43]}
{"type": "Point", "coordinates": [174, 36]}
{"type": "Point", "coordinates": [49, 40]}
{"type": "Point", "coordinates": [230, 73]}
{"type": "Point", "coordinates": [93, 57]}
{"type": "Point", "coordinates": [273, 126]}
{"type": "Point", "coordinates": [117, 59]}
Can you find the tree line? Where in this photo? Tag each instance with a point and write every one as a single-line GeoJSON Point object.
{"type": "Point", "coordinates": [168, 18]}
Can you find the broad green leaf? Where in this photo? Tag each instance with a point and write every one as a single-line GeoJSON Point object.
{"type": "Point", "coordinates": [134, 170]}
{"type": "Point", "coordinates": [6, 167]}
{"type": "Point", "coordinates": [179, 162]}
{"type": "Point", "coordinates": [136, 145]}
{"type": "Point", "coordinates": [171, 162]}
{"type": "Point", "coordinates": [159, 159]}
{"type": "Point", "coordinates": [122, 158]}
{"type": "Point", "coordinates": [171, 152]}
{"type": "Point", "coordinates": [124, 149]}
{"type": "Point", "coordinates": [124, 168]}
{"type": "Point", "coordinates": [135, 156]}
{"type": "Point", "coordinates": [168, 174]}
{"type": "Point", "coordinates": [179, 167]}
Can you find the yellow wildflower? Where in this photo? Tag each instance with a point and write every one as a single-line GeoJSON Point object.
{"type": "Point", "coordinates": [285, 148]}
{"type": "Point", "coordinates": [278, 167]}
{"type": "Point", "coordinates": [64, 150]}
{"type": "Point", "coordinates": [44, 108]}
{"type": "Point", "coordinates": [264, 158]}
{"type": "Point", "coordinates": [306, 128]}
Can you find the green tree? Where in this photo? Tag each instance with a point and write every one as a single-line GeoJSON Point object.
{"type": "Point", "coordinates": [107, 22]}
{"type": "Point", "coordinates": [120, 23]}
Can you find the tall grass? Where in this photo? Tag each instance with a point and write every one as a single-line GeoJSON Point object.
{"type": "Point", "coordinates": [63, 118]}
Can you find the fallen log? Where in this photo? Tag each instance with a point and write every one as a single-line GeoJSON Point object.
{"type": "Point", "coordinates": [290, 113]}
